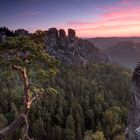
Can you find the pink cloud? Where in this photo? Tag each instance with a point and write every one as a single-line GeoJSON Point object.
{"type": "Point", "coordinates": [120, 21]}
{"type": "Point", "coordinates": [128, 1]}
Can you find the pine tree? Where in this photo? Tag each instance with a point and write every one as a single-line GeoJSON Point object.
{"type": "Point", "coordinates": [33, 66]}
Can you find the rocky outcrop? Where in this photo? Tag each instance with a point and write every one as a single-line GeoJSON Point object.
{"type": "Point", "coordinates": [62, 33]}
{"type": "Point", "coordinates": [72, 50]}
{"type": "Point", "coordinates": [52, 39]}
{"type": "Point", "coordinates": [21, 32]}
{"type": "Point", "coordinates": [133, 125]}
{"type": "Point", "coordinates": [53, 32]}
{"type": "Point", "coordinates": [71, 33]}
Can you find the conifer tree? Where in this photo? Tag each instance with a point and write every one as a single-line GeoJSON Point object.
{"type": "Point", "coordinates": [34, 67]}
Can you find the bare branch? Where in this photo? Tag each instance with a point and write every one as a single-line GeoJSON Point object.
{"type": "Point", "coordinates": [23, 75]}
{"type": "Point", "coordinates": [17, 123]}
{"type": "Point", "coordinates": [13, 126]}
{"type": "Point", "coordinates": [27, 102]}
{"type": "Point", "coordinates": [27, 129]}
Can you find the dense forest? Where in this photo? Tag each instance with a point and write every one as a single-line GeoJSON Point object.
{"type": "Point", "coordinates": [89, 103]}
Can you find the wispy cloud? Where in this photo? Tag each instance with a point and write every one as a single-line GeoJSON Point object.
{"type": "Point", "coordinates": [118, 21]}
{"type": "Point", "coordinates": [128, 1]}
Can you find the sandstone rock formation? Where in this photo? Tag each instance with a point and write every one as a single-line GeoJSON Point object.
{"type": "Point", "coordinates": [72, 50]}
{"type": "Point", "coordinates": [53, 32]}
{"type": "Point", "coordinates": [133, 126]}
{"type": "Point", "coordinates": [71, 33]}
{"type": "Point", "coordinates": [62, 33]}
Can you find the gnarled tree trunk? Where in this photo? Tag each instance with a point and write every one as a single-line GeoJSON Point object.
{"type": "Point", "coordinates": [13, 126]}
{"type": "Point", "coordinates": [27, 103]}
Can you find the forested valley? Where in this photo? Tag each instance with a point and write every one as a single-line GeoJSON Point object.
{"type": "Point", "coordinates": [87, 102]}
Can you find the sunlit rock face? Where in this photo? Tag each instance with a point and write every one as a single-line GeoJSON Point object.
{"type": "Point", "coordinates": [70, 49]}
{"type": "Point", "coordinates": [133, 125]}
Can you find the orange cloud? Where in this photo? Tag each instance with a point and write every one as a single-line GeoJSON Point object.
{"type": "Point", "coordinates": [122, 21]}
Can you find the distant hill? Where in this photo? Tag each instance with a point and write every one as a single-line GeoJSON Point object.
{"type": "Point", "coordinates": [106, 42]}
{"type": "Point", "coordinates": [126, 53]}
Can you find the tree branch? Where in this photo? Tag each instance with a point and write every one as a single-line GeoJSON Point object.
{"type": "Point", "coordinates": [27, 104]}
{"type": "Point", "coordinates": [23, 75]}
{"type": "Point", "coordinates": [13, 126]}
{"type": "Point", "coordinates": [17, 123]}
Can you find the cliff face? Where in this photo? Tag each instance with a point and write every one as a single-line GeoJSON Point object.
{"type": "Point", "coordinates": [72, 50]}
{"type": "Point", "coordinates": [133, 126]}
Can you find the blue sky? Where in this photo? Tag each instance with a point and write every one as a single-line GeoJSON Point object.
{"type": "Point", "coordinates": [77, 14]}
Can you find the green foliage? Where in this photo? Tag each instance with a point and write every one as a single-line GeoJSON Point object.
{"type": "Point", "coordinates": [6, 31]}
{"type": "Point", "coordinates": [38, 36]}
{"type": "Point", "coordinates": [70, 128]}
{"type": "Point", "coordinates": [3, 121]}
{"type": "Point", "coordinates": [87, 99]}
{"type": "Point", "coordinates": [94, 98]}
{"type": "Point", "coordinates": [98, 136]}
{"type": "Point", "coordinates": [28, 55]}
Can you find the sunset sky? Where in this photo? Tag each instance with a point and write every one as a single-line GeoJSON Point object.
{"type": "Point", "coordinates": [90, 18]}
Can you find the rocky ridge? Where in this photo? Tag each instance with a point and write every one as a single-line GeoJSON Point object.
{"type": "Point", "coordinates": [70, 49]}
